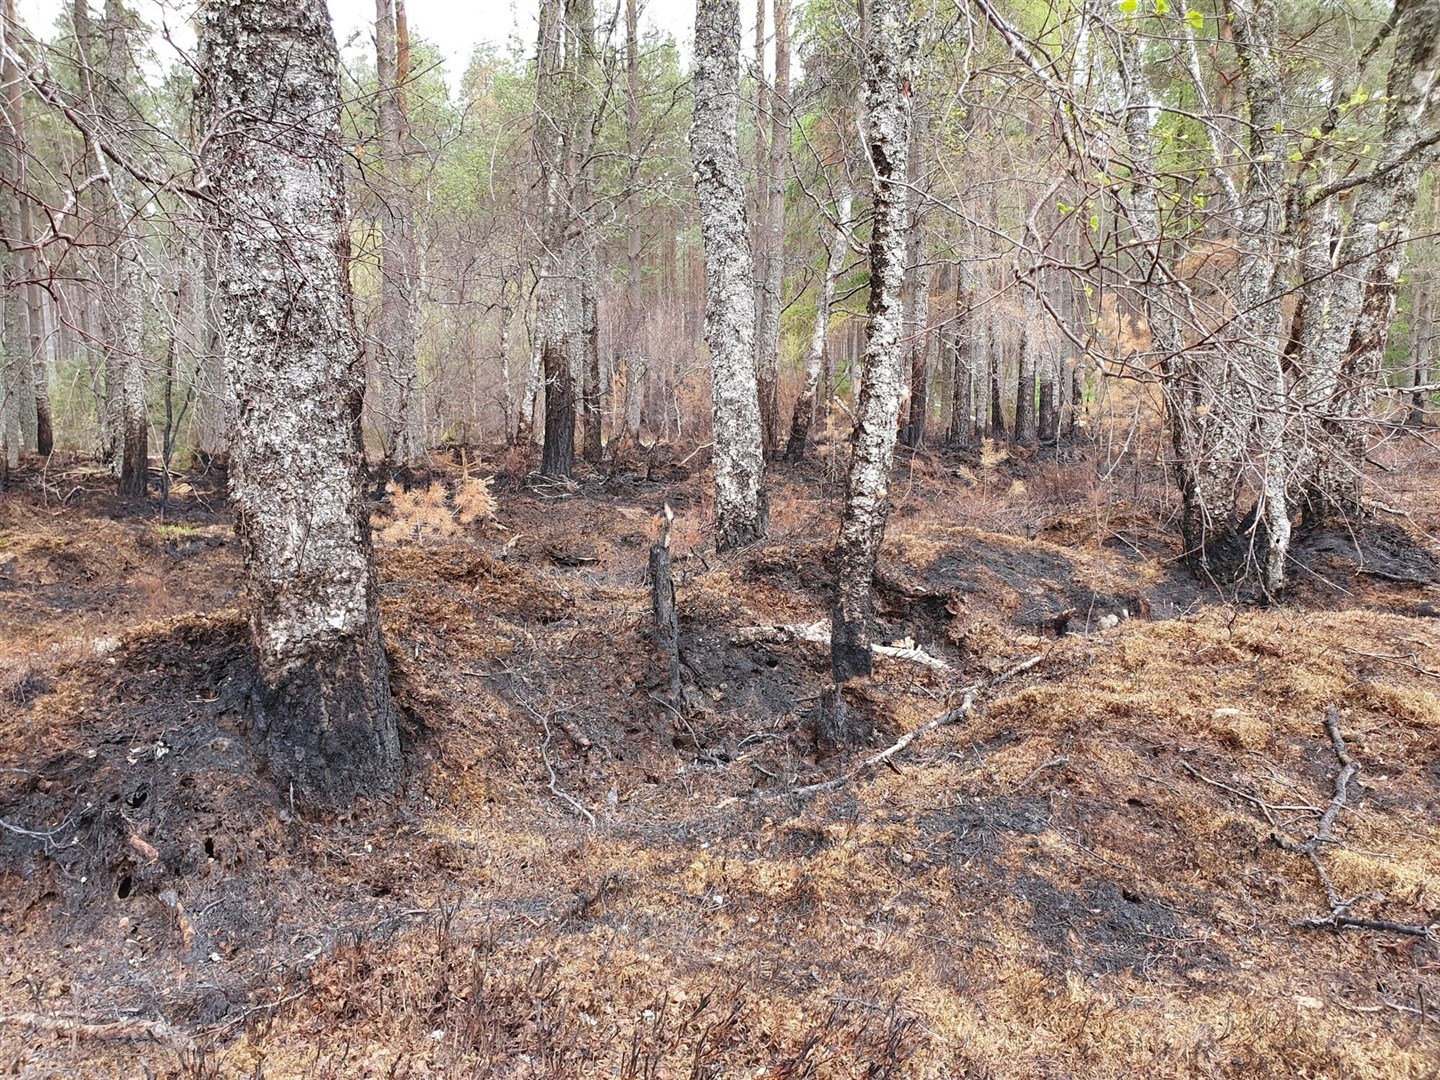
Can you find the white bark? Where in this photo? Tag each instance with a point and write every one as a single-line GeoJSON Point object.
{"type": "Point", "coordinates": [270, 81]}
{"type": "Point", "coordinates": [741, 513]}
{"type": "Point", "coordinates": [395, 334]}
{"type": "Point", "coordinates": [872, 446]}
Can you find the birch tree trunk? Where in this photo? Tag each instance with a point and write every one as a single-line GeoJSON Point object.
{"type": "Point", "coordinates": [14, 319]}
{"type": "Point", "coordinates": [815, 359]}
{"type": "Point", "coordinates": [395, 335]}
{"type": "Point", "coordinates": [772, 235]}
{"type": "Point", "coordinates": [1346, 364]}
{"type": "Point", "coordinates": [917, 283]}
{"type": "Point", "coordinates": [35, 405]}
{"type": "Point", "coordinates": [889, 58]}
{"type": "Point", "coordinates": [1261, 387]}
{"type": "Point", "coordinates": [629, 436]}
{"type": "Point", "coordinates": [270, 81]}
{"type": "Point", "coordinates": [741, 512]}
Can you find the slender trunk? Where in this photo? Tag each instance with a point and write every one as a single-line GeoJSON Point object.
{"type": "Point", "coordinates": [997, 429]}
{"type": "Point", "coordinates": [767, 322]}
{"type": "Point", "coordinates": [629, 438]}
{"type": "Point", "coordinates": [917, 284]}
{"type": "Point", "coordinates": [507, 390]}
{"type": "Point", "coordinates": [125, 389]}
{"type": "Point", "coordinates": [395, 335]}
{"type": "Point", "coordinates": [324, 712]}
{"type": "Point", "coordinates": [741, 512]}
{"type": "Point", "coordinates": [759, 232]}
{"type": "Point", "coordinates": [1049, 425]}
{"type": "Point", "coordinates": [1025, 390]}
{"type": "Point", "coordinates": [1421, 332]}
{"type": "Point", "coordinates": [35, 406]}
{"type": "Point", "coordinates": [890, 50]}
{"type": "Point", "coordinates": [815, 358]}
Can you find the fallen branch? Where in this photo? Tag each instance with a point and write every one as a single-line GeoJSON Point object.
{"type": "Point", "coordinates": [555, 788]}
{"type": "Point", "coordinates": [1339, 917]}
{"type": "Point", "coordinates": [77, 1028]}
{"type": "Point", "coordinates": [950, 716]}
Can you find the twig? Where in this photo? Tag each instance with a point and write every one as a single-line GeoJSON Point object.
{"type": "Point", "coordinates": [950, 716]}
{"type": "Point", "coordinates": [555, 789]}
{"type": "Point", "coordinates": [1255, 800]}
{"type": "Point", "coordinates": [1402, 661]}
{"type": "Point", "coordinates": [1053, 763]}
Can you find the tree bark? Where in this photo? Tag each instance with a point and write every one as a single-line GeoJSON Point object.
{"type": "Point", "coordinates": [773, 235]}
{"type": "Point", "coordinates": [917, 284]}
{"type": "Point", "coordinates": [890, 51]}
{"type": "Point", "coordinates": [270, 84]}
{"type": "Point", "coordinates": [1025, 390]}
{"type": "Point", "coordinates": [35, 406]}
{"type": "Point", "coordinates": [741, 512]}
{"type": "Point", "coordinates": [629, 437]}
{"type": "Point", "coordinates": [395, 337]}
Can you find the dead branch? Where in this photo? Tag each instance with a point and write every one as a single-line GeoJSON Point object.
{"type": "Point", "coordinates": [79, 1028]}
{"type": "Point", "coordinates": [1053, 763]}
{"type": "Point", "coordinates": [950, 716]}
{"type": "Point", "coordinates": [1339, 917]}
{"type": "Point", "coordinates": [555, 788]}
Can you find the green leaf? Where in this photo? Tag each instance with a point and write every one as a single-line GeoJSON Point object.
{"type": "Point", "coordinates": [1161, 7]}
{"type": "Point", "coordinates": [1196, 19]}
{"type": "Point", "coordinates": [1295, 155]}
{"type": "Point", "coordinates": [1095, 220]}
{"type": "Point", "coordinates": [1129, 7]}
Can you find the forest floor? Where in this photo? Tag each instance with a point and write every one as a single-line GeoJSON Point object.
{"type": "Point", "coordinates": [1079, 879]}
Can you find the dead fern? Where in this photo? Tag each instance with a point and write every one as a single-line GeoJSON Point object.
{"type": "Point", "coordinates": [433, 513]}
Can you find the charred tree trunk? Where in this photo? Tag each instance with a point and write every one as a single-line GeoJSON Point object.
{"type": "Point", "coordinates": [1049, 426]}
{"type": "Point", "coordinates": [996, 395]}
{"type": "Point", "coordinates": [815, 358]}
{"type": "Point", "coordinates": [270, 79]}
{"type": "Point", "coordinates": [741, 513]}
{"type": "Point", "coordinates": [890, 50]}
{"type": "Point", "coordinates": [1025, 391]}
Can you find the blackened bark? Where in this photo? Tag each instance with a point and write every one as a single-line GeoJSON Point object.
{"type": "Point", "coordinates": [1049, 414]}
{"type": "Point", "coordinates": [558, 458]}
{"type": "Point", "coordinates": [666, 629]}
{"type": "Point", "coordinates": [1025, 392]}
{"type": "Point", "coordinates": [269, 78]}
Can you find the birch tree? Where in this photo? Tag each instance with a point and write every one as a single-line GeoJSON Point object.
{"type": "Point", "coordinates": [741, 511]}
{"type": "Point", "coordinates": [397, 371]}
{"type": "Point", "coordinates": [889, 59]}
{"type": "Point", "coordinates": [269, 72]}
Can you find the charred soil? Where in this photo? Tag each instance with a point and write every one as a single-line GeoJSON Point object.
{"type": "Point", "coordinates": [582, 877]}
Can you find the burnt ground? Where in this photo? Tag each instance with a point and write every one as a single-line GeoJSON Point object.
{"type": "Point", "coordinates": [576, 879]}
